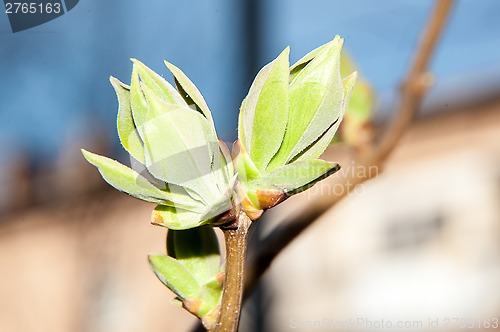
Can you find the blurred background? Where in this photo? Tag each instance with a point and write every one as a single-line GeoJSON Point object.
{"type": "Point", "coordinates": [420, 242]}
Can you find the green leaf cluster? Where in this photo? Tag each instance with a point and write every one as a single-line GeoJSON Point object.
{"type": "Point", "coordinates": [192, 270]}
{"type": "Point", "coordinates": [286, 122]}
{"type": "Point", "coordinates": [187, 171]}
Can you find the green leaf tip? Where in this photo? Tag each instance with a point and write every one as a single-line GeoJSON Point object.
{"type": "Point", "coordinates": [189, 92]}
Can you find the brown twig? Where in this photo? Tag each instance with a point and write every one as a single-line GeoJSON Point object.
{"type": "Point", "coordinates": [412, 92]}
{"type": "Point", "coordinates": [236, 245]}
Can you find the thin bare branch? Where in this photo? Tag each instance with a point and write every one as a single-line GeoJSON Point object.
{"type": "Point", "coordinates": [236, 244]}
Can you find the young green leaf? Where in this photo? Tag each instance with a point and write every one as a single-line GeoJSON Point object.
{"type": "Point", "coordinates": [304, 61]}
{"type": "Point", "coordinates": [318, 147]}
{"type": "Point", "coordinates": [161, 88]}
{"type": "Point", "coordinates": [127, 180]}
{"type": "Point", "coordinates": [175, 218]}
{"type": "Point", "coordinates": [316, 97]}
{"type": "Point", "coordinates": [190, 93]}
{"type": "Point", "coordinates": [127, 132]}
{"type": "Point", "coordinates": [297, 176]}
{"type": "Point", "coordinates": [138, 102]}
{"type": "Point", "coordinates": [175, 276]}
{"type": "Point", "coordinates": [194, 99]}
{"type": "Point", "coordinates": [198, 249]}
{"type": "Point", "coordinates": [264, 112]}
{"type": "Point", "coordinates": [177, 150]}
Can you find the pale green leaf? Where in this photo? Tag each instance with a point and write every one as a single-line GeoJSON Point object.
{"type": "Point", "coordinates": [175, 218]}
{"type": "Point", "coordinates": [297, 176]}
{"type": "Point", "coordinates": [177, 149]}
{"type": "Point", "coordinates": [137, 101]}
{"type": "Point", "coordinates": [161, 88]}
{"type": "Point", "coordinates": [129, 137]}
{"type": "Point", "coordinates": [194, 99]}
{"type": "Point", "coordinates": [146, 94]}
{"type": "Point", "coordinates": [264, 112]}
{"type": "Point", "coordinates": [319, 146]}
{"type": "Point", "coordinates": [190, 92]}
{"type": "Point", "coordinates": [316, 96]}
{"type": "Point", "coordinates": [175, 276]}
{"type": "Point", "coordinates": [194, 194]}
{"type": "Point", "coordinates": [197, 249]}
{"type": "Point", "coordinates": [316, 148]}
{"type": "Point", "coordinates": [304, 61]}
{"type": "Point", "coordinates": [129, 181]}
{"type": "Point", "coordinates": [155, 106]}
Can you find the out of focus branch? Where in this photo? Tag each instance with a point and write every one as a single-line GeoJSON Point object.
{"type": "Point", "coordinates": [414, 87]}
